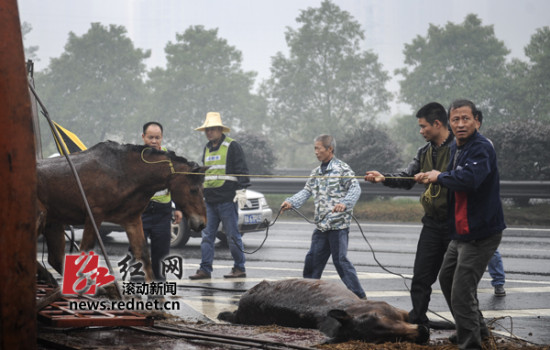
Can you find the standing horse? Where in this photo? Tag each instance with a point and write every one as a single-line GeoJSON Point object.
{"type": "Point", "coordinates": [119, 180]}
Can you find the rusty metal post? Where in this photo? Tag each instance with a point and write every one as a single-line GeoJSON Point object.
{"type": "Point", "coordinates": [17, 190]}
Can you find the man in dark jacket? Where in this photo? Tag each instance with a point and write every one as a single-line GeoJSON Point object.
{"type": "Point", "coordinates": [434, 237]}
{"type": "Point", "coordinates": [476, 220]}
{"type": "Point", "coordinates": [224, 193]}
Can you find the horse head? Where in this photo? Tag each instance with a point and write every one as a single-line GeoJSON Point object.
{"type": "Point", "coordinates": [186, 186]}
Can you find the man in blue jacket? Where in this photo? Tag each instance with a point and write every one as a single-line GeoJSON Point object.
{"type": "Point", "coordinates": [476, 220]}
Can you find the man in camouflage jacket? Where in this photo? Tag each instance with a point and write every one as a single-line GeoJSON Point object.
{"type": "Point", "coordinates": [335, 192]}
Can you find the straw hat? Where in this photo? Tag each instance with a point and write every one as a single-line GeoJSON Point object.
{"type": "Point", "coordinates": [213, 119]}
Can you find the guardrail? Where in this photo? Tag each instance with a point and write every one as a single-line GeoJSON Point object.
{"type": "Point", "coordinates": [508, 189]}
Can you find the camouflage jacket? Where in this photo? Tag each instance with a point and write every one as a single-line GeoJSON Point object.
{"type": "Point", "coordinates": [334, 186]}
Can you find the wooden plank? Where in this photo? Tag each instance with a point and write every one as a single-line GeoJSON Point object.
{"type": "Point", "coordinates": [59, 314]}
{"type": "Point", "coordinates": [17, 189]}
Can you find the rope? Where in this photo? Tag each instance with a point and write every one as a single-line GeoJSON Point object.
{"type": "Point", "coordinates": [264, 176]}
{"type": "Point", "coordinates": [364, 238]}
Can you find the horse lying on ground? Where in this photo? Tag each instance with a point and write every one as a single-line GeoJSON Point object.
{"type": "Point", "coordinates": [119, 180]}
{"type": "Point", "coordinates": [329, 307]}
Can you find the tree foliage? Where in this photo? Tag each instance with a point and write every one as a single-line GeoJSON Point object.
{"type": "Point", "coordinates": [404, 131]}
{"type": "Point", "coordinates": [326, 85]}
{"type": "Point", "coordinates": [456, 61]}
{"type": "Point", "coordinates": [203, 74]}
{"type": "Point", "coordinates": [369, 149]}
{"type": "Point", "coordinates": [30, 51]}
{"type": "Point", "coordinates": [94, 87]}
{"type": "Point", "coordinates": [522, 149]}
{"type": "Point", "coordinates": [260, 158]}
{"type": "Point", "coordinates": [537, 85]}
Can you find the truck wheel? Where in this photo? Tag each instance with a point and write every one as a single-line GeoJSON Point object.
{"type": "Point", "coordinates": [180, 234]}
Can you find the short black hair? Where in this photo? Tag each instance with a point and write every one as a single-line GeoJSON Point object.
{"type": "Point", "coordinates": [463, 103]}
{"type": "Point", "coordinates": [431, 112]}
{"type": "Point", "coordinates": [146, 125]}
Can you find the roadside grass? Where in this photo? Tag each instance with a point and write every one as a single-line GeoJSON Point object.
{"type": "Point", "coordinates": [409, 210]}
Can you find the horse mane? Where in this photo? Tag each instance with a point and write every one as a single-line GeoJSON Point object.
{"type": "Point", "coordinates": [128, 147]}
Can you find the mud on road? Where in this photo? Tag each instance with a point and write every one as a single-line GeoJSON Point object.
{"type": "Point", "coordinates": [172, 333]}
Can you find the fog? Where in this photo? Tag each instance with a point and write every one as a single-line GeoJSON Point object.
{"type": "Point", "coordinates": [257, 28]}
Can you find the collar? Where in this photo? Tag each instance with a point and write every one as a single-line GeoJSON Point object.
{"type": "Point", "coordinates": [211, 147]}
{"type": "Point", "coordinates": [447, 141]}
{"type": "Point", "coordinates": [327, 167]}
{"type": "Point", "coordinates": [473, 136]}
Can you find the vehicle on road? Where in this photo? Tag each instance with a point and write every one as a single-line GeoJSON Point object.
{"type": "Point", "coordinates": [255, 216]}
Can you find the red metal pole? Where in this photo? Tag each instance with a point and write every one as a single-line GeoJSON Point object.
{"type": "Point", "coordinates": [17, 190]}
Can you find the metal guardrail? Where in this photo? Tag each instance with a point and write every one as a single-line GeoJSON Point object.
{"type": "Point", "coordinates": [508, 189]}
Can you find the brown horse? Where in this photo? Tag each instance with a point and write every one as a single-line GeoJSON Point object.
{"type": "Point", "coordinates": [119, 180]}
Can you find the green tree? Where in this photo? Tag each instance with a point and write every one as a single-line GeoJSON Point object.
{"type": "Point", "coordinates": [537, 86]}
{"type": "Point", "coordinates": [522, 149]}
{"type": "Point", "coordinates": [458, 61]}
{"type": "Point", "coordinates": [369, 148]}
{"type": "Point", "coordinates": [326, 85]}
{"type": "Point", "coordinates": [94, 87]}
{"type": "Point", "coordinates": [259, 154]}
{"type": "Point", "coordinates": [203, 74]}
{"type": "Point", "coordinates": [404, 132]}
{"type": "Point", "coordinates": [30, 51]}
{"type": "Point", "coordinates": [527, 83]}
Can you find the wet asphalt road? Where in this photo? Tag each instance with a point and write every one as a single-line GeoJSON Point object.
{"type": "Point", "coordinates": [524, 312]}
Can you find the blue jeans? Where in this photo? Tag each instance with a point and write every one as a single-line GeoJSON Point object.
{"type": "Point", "coordinates": [496, 270]}
{"type": "Point", "coordinates": [225, 212]}
{"type": "Point", "coordinates": [335, 243]}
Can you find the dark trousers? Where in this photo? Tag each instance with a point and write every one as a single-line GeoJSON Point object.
{"type": "Point", "coordinates": [463, 266]}
{"type": "Point", "coordinates": [432, 244]}
{"type": "Point", "coordinates": [156, 227]}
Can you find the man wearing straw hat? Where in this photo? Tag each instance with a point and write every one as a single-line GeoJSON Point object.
{"type": "Point", "coordinates": [224, 192]}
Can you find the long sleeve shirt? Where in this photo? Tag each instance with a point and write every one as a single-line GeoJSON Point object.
{"type": "Point", "coordinates": [333, 186]}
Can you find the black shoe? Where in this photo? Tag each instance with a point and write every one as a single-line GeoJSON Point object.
{"type": "Point", "coordinates": [453, 338]}
{"type": "Point", "coordinates": [423, 334]}
{"type": "Point", "coordinates": [499, 291]}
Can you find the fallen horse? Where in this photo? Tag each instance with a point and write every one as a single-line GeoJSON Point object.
{"type": "Point", "coordinates": [119, 180]}
{"type": "Point", "coordinates": [329, 307]}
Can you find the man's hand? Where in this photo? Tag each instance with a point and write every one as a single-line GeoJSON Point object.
{"type": "Point", "coordinates": [374, 176]}
{"type": "Point", "coordinates": [178, 215]}
{"type": "Point", "coordinates": [338, 208]}
{"type": "Point", "coordinates": [428, 177]}
{"type": "Point", "coordinates": [240, 198]}
{"type": "Point", "coordinates": [286, 206]}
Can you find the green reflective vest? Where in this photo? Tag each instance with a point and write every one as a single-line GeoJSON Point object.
{"type": "Point", "coordinates": [216, 176]}
{"type": "Point", "coordinates": [162, 196]}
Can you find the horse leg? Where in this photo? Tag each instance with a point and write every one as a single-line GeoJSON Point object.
{"type": "Point", "coordinates": [55, 240]}
{"type": "Point", "coordinates": [88, 236]}
{"type": "Point", "coordinates": [138, 245]}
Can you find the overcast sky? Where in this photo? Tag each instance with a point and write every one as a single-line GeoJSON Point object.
{"type": "Point", "coordinates": [257, 27]}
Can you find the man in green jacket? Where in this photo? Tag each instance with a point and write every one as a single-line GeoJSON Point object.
{"type": "Point", "coordinates": [434, 237]}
